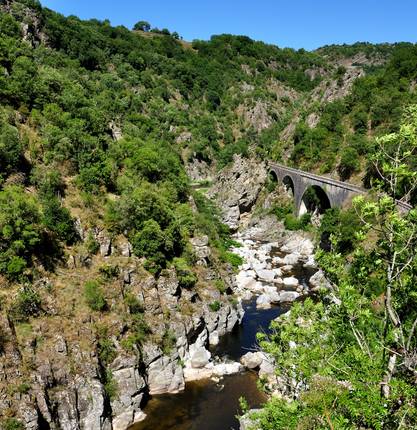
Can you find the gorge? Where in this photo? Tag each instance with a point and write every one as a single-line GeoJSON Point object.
{"type": "Point", "coordinates": [153, 271]}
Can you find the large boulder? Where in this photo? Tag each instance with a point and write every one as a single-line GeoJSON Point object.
{"type": "Point", "coordinates": [200, 358]}
{"type": "Point", "coordinates": [263, 302]}
{"type": "Point", "coordinates": [290, 282]}
{"type": "Point", "coordinates": [288, 296]}
{"type": "Point", "coordinates": [252, 360]}
{"type": "Point", "coordinates": [319, 281]}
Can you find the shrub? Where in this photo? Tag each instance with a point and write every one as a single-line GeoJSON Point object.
{"type": "Point", "coordinates": [168, 342]}
{"type": "Point", "coordinates": [13, 424]}
{"type": "Point", "coordinates": [105, 346]}
{"type": "Point", "coordinates": [20, 231]}
{"type": "Point", "coordinates": [94, 296]}
{"type": "Point", "coordinates": [293, 223]}
{"type": "Point", "coordinates": [219, 284]}
{"type": "Point", "coordinates": [231, 258]}
{"type": "Point", "coordinates": [110, 385]}
{"type": "Point", "coordinates": [133, 304]}
{"type": "Point", "coordinates": [109, 271]}
{"type": "Point", "coordinates": [27, 304]}
{"type": "Point", "coordinates": [349, 163]}
{"type": "Point", "coordinates": [138, 332]}
{"type": "Point", "coordinates": [186, 277]}
{"type": "Point", "coordinates": [58, 219]}
{"type": "Point", "coordinates": [281, 210]}
{"type": "Point", "coordinates": [91, 244]}
{"type": "Point", "coordinates": [215, 306]}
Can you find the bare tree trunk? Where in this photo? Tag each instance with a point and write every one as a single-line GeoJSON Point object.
{"type": "Point", "coordinates": [385, 387]}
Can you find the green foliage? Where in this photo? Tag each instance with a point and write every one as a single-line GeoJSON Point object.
{"type": "Point", "coordinates": [349, 163]}
{"type": "Point", "coordinates": [94, 296]}
{"type": "Point", "coordinates": [20, 231]}
{"type": "Point", "coordinates": [109, 271]}
{"type": "Point", "coordinates": [215, 306]}
{"type": "Point", "coordinates": [27, 304]}
{"type": "Point", "coordinates": [338, 229]}
{"type": "Point", "coordinates": [142, 26]}
{"type": "Point", "coordinates": [91, 244]}
{"type": "Point", "coordinates": [282, 210]}
{"type": "Point", "coordinates": [133, 304]}
{"type": "Point", "coordinates": [10, 149]}
{"type": "Point", "coordinates": [12, 424]}
{"type": "Point", "coordinates": [168, 342]}
{"type": "Point", "coordinates": [291, 222]}
{"type": "Point", "coordinates": [110, 385]}
{"type": "Point", "coordinates": [138, 332]}
{"type": "Point", "coordinates": [58, 220]}
{"type": "Point", "coordinates": [186, 277]}
{"type": "Point", "coordinates": [231, 258]}
{"type": "Point", "coordinates": [352, 352]}
{"type": "Point", "coordinates": [105, 346]}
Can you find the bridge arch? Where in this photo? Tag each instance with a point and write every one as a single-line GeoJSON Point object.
{"type": "Point", "coordinates": [314, 198]}
{"type": "Point", "coordinates": [273, 177]}
{"type": "Point", "coordinates": [289, 185]}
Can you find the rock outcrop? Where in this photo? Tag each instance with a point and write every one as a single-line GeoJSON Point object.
{"type": "Point", "coordinates": [237, 188]}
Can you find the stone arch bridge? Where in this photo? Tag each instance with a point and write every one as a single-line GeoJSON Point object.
{"type": "Point", "coordinates": [332, 193]}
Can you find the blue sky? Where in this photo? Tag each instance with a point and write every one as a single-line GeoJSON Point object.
{"type": "Point", "coordinates": [296, 23]}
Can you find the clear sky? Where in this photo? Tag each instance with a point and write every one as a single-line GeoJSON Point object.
{"type": "Point", "coordinates": [305, 24]}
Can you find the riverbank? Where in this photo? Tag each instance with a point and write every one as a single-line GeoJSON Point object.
{"type": "Point", "coordinates": [266, 285]}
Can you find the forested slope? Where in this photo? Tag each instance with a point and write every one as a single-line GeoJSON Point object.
{"type": "Point", "coordinates": [99, 126]}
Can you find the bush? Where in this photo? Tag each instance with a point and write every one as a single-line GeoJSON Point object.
{"type": "Point", "coordinates": [139, 331]}
{"type": "Point", "coordinates": [281, 210]}
{"type": "Point", "coordinates": [133, 304]}
{"type": "Point", "coordinates": [215, 306]}
{"type": "Point", "coordinates": [20, 231]}
{"type": "Point", "coordinates": [109, 272]}
{"type": "Point", "coordinates": [293, 223]}
{"type": "Point", "coordinates": [349, 163]}
{"type": "Point", "coordinates": [105, 346]}
{"type": "Point", "coordinates": [58, 219]}
{"type": "Point", "coordinates": [28, 304]}
{"type": "Point", "coordinates": [94, 296]}
{"type": "Point", "coordinates": [186, 277]}
{"type": "Point", "coordinates": [91, 244]}
{"type": "Point", "coordinates": [13, 424]}
{"type": "Point", "coordinates": [231, 258]}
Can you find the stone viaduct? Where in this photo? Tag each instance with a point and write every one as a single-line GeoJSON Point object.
{"type": "Point", "coordinates": [332, 193]}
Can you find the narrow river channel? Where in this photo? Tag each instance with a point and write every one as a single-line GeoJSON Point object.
{"type": "Point", "coordinates": [209, 405]}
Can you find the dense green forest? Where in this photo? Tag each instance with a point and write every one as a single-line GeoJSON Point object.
{"type": "Point", "coordinates": [100, 123]}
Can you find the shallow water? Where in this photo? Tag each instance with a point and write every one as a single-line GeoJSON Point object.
{"type": "Point", "coordinates": [204, 405]}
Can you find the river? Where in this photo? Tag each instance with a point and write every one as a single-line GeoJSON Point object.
{"type": "Point", "coordinates": [210, 405]}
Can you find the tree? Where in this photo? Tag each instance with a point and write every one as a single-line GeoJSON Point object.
{"type": "Point", "coordinates": [356, 352]}
{"type": "Point", "coordinates": [349, 163]}
{"type": "Point", "coordinates": [142, 26]}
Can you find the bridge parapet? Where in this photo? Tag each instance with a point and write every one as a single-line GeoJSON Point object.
{"type": "Point", "coordinates": [337, 192]}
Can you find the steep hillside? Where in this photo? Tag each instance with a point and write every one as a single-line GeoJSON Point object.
{"type": "Point", "coordinates": [109, 257]}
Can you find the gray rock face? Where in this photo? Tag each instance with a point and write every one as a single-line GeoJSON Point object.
{"type": "Point", "coordinates": [252, 360]}
{"type": "Point", "coordinates": [200, 358]}
{"type": "Point", "coordinates": [165, 375]}
{"type": "Point", "coordinates": [198, 171]}
{"type": "Point", "coordinates": [201, 249]}
{"type": "Point", "coordinates": [131, 388]}
{"type": "Point", "coordinates": [318, 281]}
{"type": "Point", "coordinates": [105, 243]}
{"type": "Point", "coordinates": [237, 188]}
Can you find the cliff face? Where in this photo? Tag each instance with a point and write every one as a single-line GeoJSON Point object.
{"type": "Point", "coordinates": [237, 187]}
{"type": "Point", "coordinates": [81, 371]}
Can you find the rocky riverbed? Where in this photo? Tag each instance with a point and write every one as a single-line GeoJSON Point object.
{"type": "Point", "coordinates": [273, 275]}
